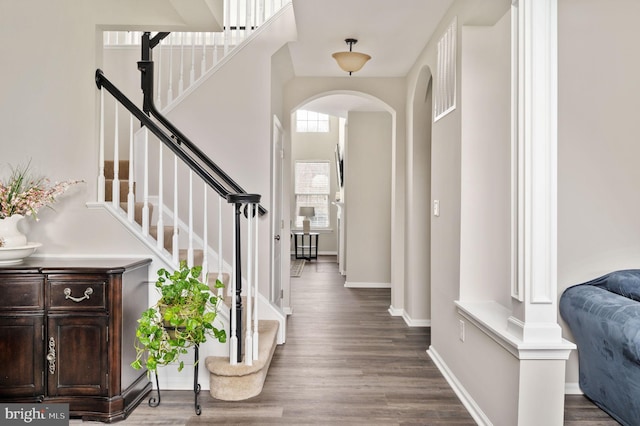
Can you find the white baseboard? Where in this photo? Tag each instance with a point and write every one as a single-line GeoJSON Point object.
{"type": "Point", "coordinates": [395, 312]}
{"type": "Point", "coordinates": [415, 322]}
{"type": "Point", "coordinates": [351, 284]}
{"type": "Point", "coordinates": [572, 388]}
{"type": "Point", "coordinates": [462, 394]}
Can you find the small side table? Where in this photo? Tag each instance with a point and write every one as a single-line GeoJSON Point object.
{"type": "Point", "coordinates": [311, 249]}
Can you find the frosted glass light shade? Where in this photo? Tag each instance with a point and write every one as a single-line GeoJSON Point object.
{"type": "Point", "coordinates": [307, 212]}
{"type": "Point", "coordinates": [351, 61]}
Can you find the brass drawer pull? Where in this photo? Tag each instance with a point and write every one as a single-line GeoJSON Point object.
{"type": "Point", "coordinates": [87, 293]}
{"type": "Point", "coordinates": [51, 356]}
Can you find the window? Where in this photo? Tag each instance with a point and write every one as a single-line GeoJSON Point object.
{"type": "Point", "coordinates": [445, 94]}
{"type": "Point", "coordinates": [309, 121]}
{"type": "Point", "coordinates": [312, 190]}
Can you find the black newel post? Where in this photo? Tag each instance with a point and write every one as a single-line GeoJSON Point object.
{"type": "Point", "coordinates": [238, 200]}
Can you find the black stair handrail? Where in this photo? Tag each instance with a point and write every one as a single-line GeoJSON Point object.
{"type": "Point", "coordinates": [169, 141]}
{"type": "Point", "coordinates": [103, 82]}
{"type": "Point", "coordinates": [146, 68]}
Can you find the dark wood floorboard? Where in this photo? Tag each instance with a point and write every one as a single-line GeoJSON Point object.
{"type": "Point", "coordinates": [346, 362]}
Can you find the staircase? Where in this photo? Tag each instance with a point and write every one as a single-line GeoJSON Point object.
{"type": "Point", "coordinates": [226, 382]}
{"type": "Point", "coordinates": [173, 205]}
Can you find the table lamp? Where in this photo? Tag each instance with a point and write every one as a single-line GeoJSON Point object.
{"type": "Point", "coordinates": [306, 212]}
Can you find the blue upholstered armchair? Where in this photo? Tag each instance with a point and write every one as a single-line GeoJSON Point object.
{"type": "Point", "coordinates": [604, 317]}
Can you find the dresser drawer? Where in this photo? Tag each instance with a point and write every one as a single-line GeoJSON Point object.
{"type": "Point", "coordinates": [76, 292]}
{"type": "Point", "coordinates": [21, 292]}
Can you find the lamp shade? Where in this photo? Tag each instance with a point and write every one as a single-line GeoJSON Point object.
{"type": "Point", "coordinates": [351, 61]}
{"type": "Point", "coordinates": [307, 211]}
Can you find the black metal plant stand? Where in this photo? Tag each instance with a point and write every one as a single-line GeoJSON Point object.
{"type": "Point", "coordinates": [154, 401]}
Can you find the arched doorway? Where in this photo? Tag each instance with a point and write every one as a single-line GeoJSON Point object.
{"type": "Point", "coordinates": [417, 294]}
{"type": "Point", "coordinates": [365, 142]}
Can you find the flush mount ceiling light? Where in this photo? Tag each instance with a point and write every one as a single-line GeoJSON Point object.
{"type": "Point", "coordinates": [351, 61]}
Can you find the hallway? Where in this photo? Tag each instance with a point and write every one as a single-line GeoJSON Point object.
{"type": "Point", "coordinates": [346, 362]}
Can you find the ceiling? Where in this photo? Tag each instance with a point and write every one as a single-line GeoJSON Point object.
{"type": "Point", "coordinates": [393, 32]}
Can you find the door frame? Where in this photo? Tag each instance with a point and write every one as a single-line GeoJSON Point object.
{"type": "Point", "coordinates": [278, 263]}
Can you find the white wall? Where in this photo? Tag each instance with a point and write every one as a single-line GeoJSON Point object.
{"type": "Point", "coordinates": [483, 369]}
{"type": "Point", "coordinates": [368, 199]}
{"type": "Point", "coordinates": [598, 150]}
{"type": "Point", "coordinates": [49, 107]}
{"type": "Point", "coordinates": [485, 222]}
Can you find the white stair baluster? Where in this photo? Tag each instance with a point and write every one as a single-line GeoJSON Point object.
{"type": "Point", "coordinates": [170, 83]}
{"type": "Point", "coordinates": [160, 222]}
{"type": "Point", "coordinates": [101, 180]}
{"type": "Point", "coordinates": [214, 52]}
{"type": "Point", "coordinates": [233, 341]}
{"type": "Point", "coordinates": [220, 290]}
{"type": "Point", "coordinates": [159, 79]}
{"type": "Point", "coordinates": [115, 187]}
{"type": "Point", "coordinates": [190, 247]}
{"type": "Point", "coordinates": [192, 72]}
{"type": "Point", "coordinates": [131, 198]}
{"type": "Point", "coordinates": [145, 183]}
{"type": "Point", "coordinates": [255, 283]}
{"type": "Point", "coordinates": [227, 26]}
{"type": "Point", "coordinates": [238, 24]}
{"type": "Point", "coordinates": [203, 62]}
{"type": "Point", "coordinates": [181, 80]}
{"type": "Point", "coordinates": [247, 19]}
{"type": "Point", "coordinates": [248, 338]}
{"type": "Point", "coordinates": [205, 232]}
{"type": "Point", "coordinates": [261, 13]}
{"type": "Point", "coordinates": [175, 241]}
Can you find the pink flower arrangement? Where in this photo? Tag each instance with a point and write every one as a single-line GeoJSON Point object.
{"type": "Point", "coordinates": [24, 194]}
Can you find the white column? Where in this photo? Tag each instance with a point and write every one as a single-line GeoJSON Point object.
{"type": "Point", "coordinates": [542, 351]}
{"type": "Point", "coordinates": [535, 269]}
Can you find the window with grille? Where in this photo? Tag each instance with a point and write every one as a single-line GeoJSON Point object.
{"type": "Point", "coordinates": [309, 121]}
{"type": "Point", "coordinates": [312, 187]}
{"type": "Point", "coordinates": [445, 78]}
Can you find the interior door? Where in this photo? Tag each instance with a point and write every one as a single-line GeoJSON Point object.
{"type": "Point", "coordinates": [276, 215]}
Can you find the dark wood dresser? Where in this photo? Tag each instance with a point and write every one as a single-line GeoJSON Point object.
{"type": "Point", "coordinates": [67, 330]}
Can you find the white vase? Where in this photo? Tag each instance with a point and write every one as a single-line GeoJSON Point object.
{"type": "Point", "coordinates": [10, 235]}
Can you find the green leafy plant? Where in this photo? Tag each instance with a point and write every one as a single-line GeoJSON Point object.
{"type": "Point", "coordinates": [182, 317]}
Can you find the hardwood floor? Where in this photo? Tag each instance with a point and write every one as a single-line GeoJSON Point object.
{"type": "Point", "coordinates": [346, 362]}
